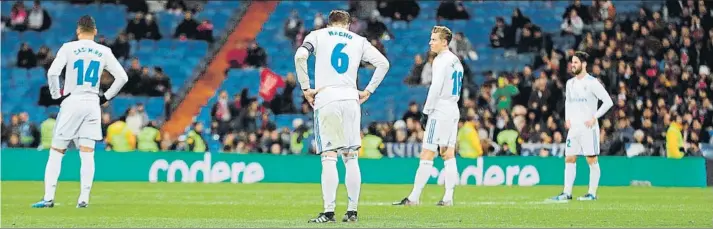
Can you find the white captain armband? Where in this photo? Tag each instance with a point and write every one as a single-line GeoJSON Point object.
{"type": "Point", "coordinates": [309, 47]}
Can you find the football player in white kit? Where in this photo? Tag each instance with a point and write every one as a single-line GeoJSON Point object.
{"type": "Point", "coordinates": [582, 94]}
{"type": "Point", "coordinates": [440, 118]}
{"type": "Point", "coordinates": [336, 101]}
{"type": "Point", "coordinates": [79, 118]}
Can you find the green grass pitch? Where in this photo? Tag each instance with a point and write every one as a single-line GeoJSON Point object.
{"type": "Point", "coordinates": [120, 204]}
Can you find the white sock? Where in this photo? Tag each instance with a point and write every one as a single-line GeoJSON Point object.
{"type": "Point", "coordinates": [594, 174]}
{"type": "Point", "coordinates": [570, 172]}
{"type": "Point", "coordinates": [422, 174]}
{"type": "Point", "coordinates": [451, 170]}
{"type": "Point", "coordinates": [54, 166]}
{"type": "Point", "coordinates": [330, 182]}
{"type": "Point", "coordinates": [352, 180]}
{"type": "Point", "coordinates": [87, 175]}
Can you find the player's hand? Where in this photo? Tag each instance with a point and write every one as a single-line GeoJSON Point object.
{"type": "Point", "coordinates": [309, 96]}
{"type": "Point", "coordinates": [102, 100]}
{"type": "Point", "coordinates": [424, 120]}
{"type": "Point", "coordinates": [363, 96]}
{"type": "Point", "coordinates": [567, 124]}
{"type": "Point", "coordinates": [590, 123]}
{"type": "Point", "coordinates": [58, 101]}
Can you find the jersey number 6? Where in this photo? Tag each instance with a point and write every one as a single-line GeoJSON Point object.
{"type": "Point", "coordinates": [91, 74]}
{"type": "Point", "coordinates": [457, 82]}
{"type": "Point", "coordinates": [340, 60]}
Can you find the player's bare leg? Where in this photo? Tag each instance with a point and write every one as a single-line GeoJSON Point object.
{"type": "Point", "coordinates": [330, 182]}
{"type": "Point", "coordinates": [594, 174]}
{"type": "Point", "coordinates": [86, 171]}
{"type": "Point", "coordinates": [52, 170]}
{"type": "Point", "coordinates": [352, 180]}
{"type": "Point", "coordinates": [570, 173]}
{"type": "Point", "coordinates": [422, 174]}
{"type": "Point", "coordinates": [450, 169]}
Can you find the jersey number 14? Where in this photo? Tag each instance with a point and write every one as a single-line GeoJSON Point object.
{"type": "Point", "coordinates": [90, 75]}
{"type": "Point", "coordinates": [457, 82]}
{"type": "Point", "coordinates": [339, 59]}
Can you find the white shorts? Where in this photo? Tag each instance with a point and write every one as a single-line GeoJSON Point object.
{"type": "Point", "coordinates": [337, 126]}
{"type": "Point", "coordinates": [440, 132]}
{"type": "Point", "coordinates": [582, 142]}
{"type": "Point", "coordinates": [77, 121]}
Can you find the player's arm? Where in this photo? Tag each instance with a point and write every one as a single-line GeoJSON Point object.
{"type": "Point", "coordinates": [55, 70]}
{"type": "Point", "coordinates": [436, 86]}
{"type": "Point", "coordinates": [301, 57]}
{"type": "Point", "coordinates": [374, 57]}
{"type": "Point", "coordinates": [567, 106]}
{"type": "Point", "coordinates": [120, 76]}
{"type": "Point", "coordinates": [602, 95]}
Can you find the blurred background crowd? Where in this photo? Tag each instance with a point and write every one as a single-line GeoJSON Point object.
{"type": "Point", "coordinates": [653, 58]}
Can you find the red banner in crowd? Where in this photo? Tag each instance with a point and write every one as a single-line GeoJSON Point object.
{"type": "Point", "coordinates": [269, 82]}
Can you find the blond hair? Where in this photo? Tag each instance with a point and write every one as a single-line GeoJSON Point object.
{"type": "Point", "coordinates": [443, 32]}
{"type": "Point", "coordinates": [339, 17]}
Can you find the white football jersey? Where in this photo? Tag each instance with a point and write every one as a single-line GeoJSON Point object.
{"type": "Point", "coordinates": [338, 54]}
{"type": "Point", "coordinates": [446, 84]}
{"type": "Point", "coordinates": [581, 100]}
{"type": "Point", "coordinates": [85, 60]}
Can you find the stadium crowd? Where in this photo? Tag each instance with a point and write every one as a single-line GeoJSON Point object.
{"type": "Point", "coordinates": [655, 65]}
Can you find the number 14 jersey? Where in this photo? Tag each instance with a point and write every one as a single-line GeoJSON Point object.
{"type": "Point", "coordinates": [338, 53]}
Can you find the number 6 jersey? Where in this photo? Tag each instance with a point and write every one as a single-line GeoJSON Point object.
{"type": "Point", "coordinates": [446, 84]}
{"type": "Point", "coordinates": [338, 53]}
{"type": "Point", "coordinates": [85, 60]}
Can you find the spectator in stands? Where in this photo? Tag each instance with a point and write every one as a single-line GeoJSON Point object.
{"type": "Point", "coordinates": [195, 140]}
{"type": "Point", "coordinates": [188, 28]}
{"type": "Point", "coordinates": [502, 35]}
{"type": "Point", "coordinates": [39, 19]}
{"type": "Point", "coordinates": [26, 57]}
{"type": "Point", "coordinates": [144, 81]}
{"type": "Point", "coordinates": [205, 31]}
{"type": "Point", "coordinates": [504, 94]}
{"type": "Point", "coordinates": [159, 84]}
{"type": "Point", "coordinates": [293, 25]}
{"type": "Point", "coordinates": [133, 6]}
{"type": "Point", "coordinates": [376, 29]}
{"type": "Point", "coordinates": [257, 57]}
{"type": "Point", "coordinates": [134, 73]}
{"type": "Point", "coordinates": [452, 10]}
{"type": "Point", "coordinates": [102, 40]}
{"type": "Point", "coordinates": [4, 129]}
{"type": "Point", "coordinates": [318, 22]}
{"type": "Point", "coordinates": [283, 103]}
{"type": "Point", "coordinates": [357, 26]}
{"type": "Point", "coordinates": [573, 26]}
{"type": "Point", "coordinates": [44, 57]}
{"type": "Point", "coordinates": [236, 56]}
{"type": "Point", "coordinates": [152, 31]}
{"type": "Point", "coordinates": [414, 77]}
{"type": "Point", "coordinates": [223, 112]}
{"type": "Point", "coordinates": [461, 46]}
{"type": "Point", "coordinates": [399, 10]}
{"type": "Point", "coordinates": [29, 134]}
{"type": "Point", "coordinates": [134, 120]}
{"type": "Point", "coordinates": [378, 45]}
{"type": "Point", "coordinates": [413, 112]}
{"type": "Point", "coordinates": [136, 28]}
{"type": "Point", "coordinates": [518, 20]}
{"type": "Point", "coordinates": [14, 141]}
{"type": "Point", "coordinates": [121, 47]}
{"type": "Point", "coordinates": [582, 11]}
{"type": "Point", "coordinates": [175, 7]}
{"type": "Point", "coordinates": [18, 17]}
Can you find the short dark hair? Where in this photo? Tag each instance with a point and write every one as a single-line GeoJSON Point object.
{"type": "Point", "coordinates": [86, 24]}
{"type": "Point", "coordinates": [583, 56]}
{"type": "Point", "coordinates": [339, 17]}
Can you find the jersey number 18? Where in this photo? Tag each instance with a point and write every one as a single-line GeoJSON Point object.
{"type": "Point", "coordinates": [91, 75]}
{"type": "Point", "coordinates": [340, 60]}
{"type": "Point", "coordinates": [457, 82]}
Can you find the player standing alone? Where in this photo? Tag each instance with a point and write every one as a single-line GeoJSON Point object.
{"type": "Point", "coordinates": [79, 118]}
{"type": "Point", "coordinates": [336, 103]}
{"type": "Point", "coordinates": [582, 95]}
{"type": "Point", "coordinates": [441, 117]}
